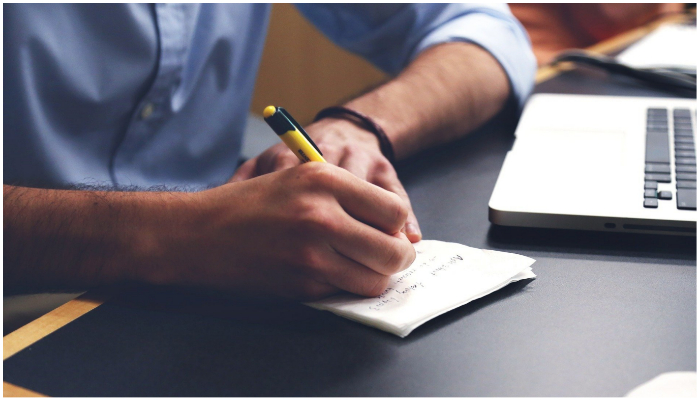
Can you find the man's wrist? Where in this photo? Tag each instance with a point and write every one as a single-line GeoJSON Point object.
{"type": "Point", "coordinates": [333, 127]}
{"type": "Point", "coordinates": [168, 222]}
{"type": "Point", "coordinates": [78, 239]}
{"type": "Point", "coordinates": [364, 122]}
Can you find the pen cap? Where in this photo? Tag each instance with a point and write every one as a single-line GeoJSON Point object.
{"type": "Point", "coordinates": [269, 111]}
{"type": "Point", "coordinates": [299, 128]}
{"type": "Point", "coordinates": [281, 121]}
{"type": "Point", "coordinates": [278, 121]}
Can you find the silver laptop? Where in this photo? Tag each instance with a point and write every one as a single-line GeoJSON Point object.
{"type": "Point", "coordinates": [606, 163]}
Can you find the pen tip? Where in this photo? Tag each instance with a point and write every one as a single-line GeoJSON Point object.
{"type": "Point", "coordinates": [269, 111]}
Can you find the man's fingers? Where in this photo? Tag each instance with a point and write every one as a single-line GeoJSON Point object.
{"type": "Point", "coordinates": [331, 153]}
{"type": "Point", "coordinates": [390, 182]}
{"type": "Point", "coordinates": [367, 202]}
{"type": "Point", "coordinates": [277, 158]}
{"type": "Point", "coordinates": [245, 171]}
{"type": "Point", "coordinates": [346, 274]}
{"type": "Point", "coordinates": [383, 253]}
{"type": "Point", "coordinates": [357, 164]}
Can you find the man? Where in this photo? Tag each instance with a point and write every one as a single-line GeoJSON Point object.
{"type": "Point", "coordinates": [140, 95]}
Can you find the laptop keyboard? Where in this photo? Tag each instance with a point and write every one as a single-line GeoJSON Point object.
{"type": "Point", "coordinates": [658, 161]}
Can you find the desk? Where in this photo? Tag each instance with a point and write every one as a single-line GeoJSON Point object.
{"type": "Point", "coordinates": [606, 313]}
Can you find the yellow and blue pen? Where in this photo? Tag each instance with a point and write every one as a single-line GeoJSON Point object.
{"type": "Point", "coordinates": [292, 134]}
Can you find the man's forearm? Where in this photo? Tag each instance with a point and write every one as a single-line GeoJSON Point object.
{"type": "Point", "coordinates": [74, 239]}
{"type": "Point", "coordinates": [447, 91]}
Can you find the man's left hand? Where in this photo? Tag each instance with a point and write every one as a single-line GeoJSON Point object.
{"type": "Point", "coordinates": [343, 144]}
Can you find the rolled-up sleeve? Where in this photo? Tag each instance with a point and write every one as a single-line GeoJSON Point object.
{"type": "Point", "coordinates": [391, 35]}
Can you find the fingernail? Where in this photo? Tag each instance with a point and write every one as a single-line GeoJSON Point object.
{"type": "Point", "coordinates": [412, 229]}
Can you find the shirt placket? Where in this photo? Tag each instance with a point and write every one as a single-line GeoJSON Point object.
{"type": "Point", "coordinates": [155, 106]}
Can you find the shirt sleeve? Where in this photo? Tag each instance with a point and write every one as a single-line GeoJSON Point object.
{"type": "Point", "coordinates": [391, 35]}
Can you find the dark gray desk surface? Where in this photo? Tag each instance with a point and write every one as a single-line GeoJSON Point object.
{"type": "Point", "coordinates": [606, 313]}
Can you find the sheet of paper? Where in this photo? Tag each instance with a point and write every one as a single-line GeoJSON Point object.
{"type": "Point", "coordinates": [668, 385]}
{"type": "Point", "coordinates": [670, 45]}
{"type": "Point", "coordinates": [444, 276]}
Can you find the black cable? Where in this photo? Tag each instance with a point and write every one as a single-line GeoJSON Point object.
{"type": "Point", "coordinates": [669, 78]}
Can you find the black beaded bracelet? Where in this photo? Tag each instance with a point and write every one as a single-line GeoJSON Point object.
{"type": "Point", "coordinates": [364, 122]}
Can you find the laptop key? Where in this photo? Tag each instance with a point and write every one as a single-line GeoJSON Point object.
{"type": "Point", "coordinates": [681, 112]}
{"type": "Point", "coordinates": [657, 120]}
{"type": "Point", "coordinates": [665, 195]}
{"type": "Point", "coordinates": [682, 132]}
{"type": "Point", "coordinates": [651, 185]}
{"type": "Point", "coordinates": [658, 110]}
{"type": "Point", "coordinates": [658, 177]}
{"type": "Point", "coordinates": [657, 128]}
{"type": "Point", "coordinates": [686, 168]}
{"type": "Point", "coordinates": [657, 116]}
{"type": "Point", "coordinates": [651, 203]}
{"type": "Point", "coordinates": [684, 146]}
{"type": "Point", "coordinates": [685, 153]}
{"type": "Point", "coordinates": [682, 120]}
{"type": "Point", "coordinates": [682, 127]}
{"type": "Point", "coordinates": [686, 177]}
{"type": "Point", "coordinates": [686, 184]}
{"type": "Point", "coordinates": [657, 168]}
{"type": "Point", "coordinates": [657, 148]}
{"type": "Point", "coordinates": [682, 139]}
{"type": "Point", "coordinates": [650, 193]}
{"type": "Point", "coordinates": [686, 199]}
{"type": "Point", "coordinates": [685, 160]}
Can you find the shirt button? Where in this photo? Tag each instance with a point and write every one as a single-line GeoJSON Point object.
{"type": "Point", "coordinates": [147, 111]}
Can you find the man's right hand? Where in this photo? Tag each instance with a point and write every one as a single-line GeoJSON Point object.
{"type": "Point", "coordinates": [302, 233]}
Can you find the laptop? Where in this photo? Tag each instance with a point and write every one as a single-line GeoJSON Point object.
{"type": "Point", "coordinates": [602, 163]}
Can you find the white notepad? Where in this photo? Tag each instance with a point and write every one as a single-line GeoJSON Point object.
{"type": "Point", "coordinates": [668, 46]}
{"type": "Point", "coordinates": [444, 276]}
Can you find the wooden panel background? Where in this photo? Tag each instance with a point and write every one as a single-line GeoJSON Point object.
{"type": "Point", "coordinates": [303, 71]}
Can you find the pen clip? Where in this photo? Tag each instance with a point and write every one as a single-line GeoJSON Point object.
{"type": "Point", "coordinates": [299, 128]}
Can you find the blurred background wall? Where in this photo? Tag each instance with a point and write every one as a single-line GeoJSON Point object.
{"type": "Point", "coordinates": [303, 71]}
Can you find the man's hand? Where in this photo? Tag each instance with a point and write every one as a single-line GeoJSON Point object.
{"type": "Point", "coordinates": [304, 233]}
{"type": "Point", "coordinates": [446, 92]}
{"type": "Point", "coordinates": [345, 145]}
{"type": "Point", "coordinates": [301, 233]}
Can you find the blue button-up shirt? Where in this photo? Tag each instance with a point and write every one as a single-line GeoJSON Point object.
{"type": "Point", "coordinates": [139, 94]}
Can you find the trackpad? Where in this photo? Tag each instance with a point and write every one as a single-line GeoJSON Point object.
{"type": "Point", "coordinates": [588, 157]}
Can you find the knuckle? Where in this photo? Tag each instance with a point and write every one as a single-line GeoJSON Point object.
{"type": "Point", "coordinates": [311, 291]}
{"type": "Point", "coordinates": [318, 175]}
{"type": "Point", "coordinates": [310, 259]}
{"type": "Point", "coordinates": [400, 209]}
{"type": "Point", "coordinates": [326, 175]}
{"type": "Point", "coordinates": [284, 160]}
{"type": "Point", "coordinates": [376, 287]}
{"type": "Point", "coordinates": [329, 148]}
{"type": "Point", "coordinates": [398, 259]}
{"type": "Point", "coordinates": [394, 261]}
{"type": "Point", "coordinates": [351, 151]}
{"type": "Point", "coordinates": [384, 167]}
{"type": "Point", "coordinates": [318, 220]}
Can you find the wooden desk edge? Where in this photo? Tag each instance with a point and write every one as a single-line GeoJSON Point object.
{"type": "Point", "coordinates": [50, 322]}
{"type": "Point", "coordinates": [10, 390]}
{"type": "Point", "coordinates": [610, 45]}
